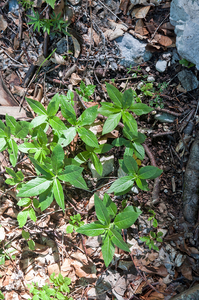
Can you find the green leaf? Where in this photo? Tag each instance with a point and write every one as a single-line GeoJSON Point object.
{"type": "Point", "coordinates": [68, 112]}
{"type": "Point", "coordinates": [11, 122]}
{"type": "Point", "coordinates": [130, 164]}
{"type": "Point", "coordinates": [31, 245]}
{"type": "Point", "coordinates": [69, 228]}
{"type": "Point", "coordinates": [42, 137]}
{"type": "Point", "coordinates": [25, 234]}
{"type": "Point", "coordinates": [88, 137]}
{"type": "Point", "coordinates": [46, 198]}
{"type": "Point", "coordinates": [41, 168]}
{"type": "Point", "coordinates": [57, 158]}
{"type": "Point", "coordinates": [2, 133]}
{"type": "Point", "coordinates": [114, 94]}
{"type": "Point", "coordinates": [155, 223]}
{"type": "Point", "coordinates": [58, 193]}
{"type": "Point", "coordinates": [92, 229]}
{"type": "Point", "coordinates": [22, 129]}
{"type": "Point", "coordinates": [140, 109]}
{"type": "Point", "coordinates": [69, 136]}
{"type": "Point", "coordinates": [22, 217]}
{"type": "Point", "coordinates": [37, 107]}
{"type": "Point", "coordinates": [142, 184]}
{"type": "Point", "coordinates": [97, 164]}
{"type": "Point", "coordinates": [121, 184]}
{"type": "Point", "coordinates": [32, 215]}
{"type": "Point", "coordinates": [88, 116]}
{"type": "Point", "coordinates": [51, 3]}
{"type": "Point", "coordinates": [111, 123]}
{"type": "Point", "coordinates": [108, 249]}
{"type": "Point", "coordinates": [101, 211]}
{"type": "Point", "coordinates": [24, 202]}
{"type": "Point", "coordinates": [53, 106]}
{"type": "Point", "coordinates": [34, 187]}
{"type": "Point", "coordinates": [28, 147]}
{"type": "Point", "coordinates": [108, 109]}
{"type": "Point", "coordinates": [139, 150]}
{"type": "Point", "coordinates": [127, 98]}
{"type": "Point", "coordinates": [127, 217]}
{"type": "Point", "coordinates": [13, 151]}
{"type": "Point", "coordinates": [110, 206]}
{"type": "Point", "coordinates": [149, 172]}
{"type": "Point", "coordinates": [82, 157]}
{"type": "Point", "coordinates": [153, 234]}
{"type": "Point", "coordinates": [38, 120]}
{"type": "Point", "coordinates": [118, 241]}
{"type": "Point", "coordinates": [72, 174]}
{"type": "Point", "coordinates": [103, 148]}
{"type": "Point", "coordinates": [130, 125]}
{"type": "Point", "coordinates": [159, 234]}
{"type": "Point", "coordinates": [57, 124]}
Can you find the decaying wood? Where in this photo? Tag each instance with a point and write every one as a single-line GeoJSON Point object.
{"type": "Point", "coordinates": [191, 184]}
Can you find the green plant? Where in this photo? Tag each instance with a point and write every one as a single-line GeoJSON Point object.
{"type": "Point", "coordinates": [110, 232]}
{"type": "Point", "coordinates": [85, 91]}
{"type": "Point", "coordinates": [53, 25]}
{"type": "Point", "coordinates": [1, 296]}
{"type": "Point", "coordinates": [4, 254]}
{"type": "Point", "coordinates": [135, 72]}
{"type": "Point", "coordinates": [146, 89]}
{"type": "Point", "coordinates": [186, 63]}
{"type": "Point", "coordinates": [74, 223]}
{"type": "Point", "coordinates": [26, 236]}
{"type": "Point", "coordinates": [26, 4]}
{"type": "Point", "coordinates": [59, 290]}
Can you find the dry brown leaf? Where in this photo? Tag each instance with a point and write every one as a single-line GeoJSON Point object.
{"type": "Point", "coordinates": [186, 270]}
{"type": "Point", "coordinates": [116, 30]}
{"type": "Point", "coordinates": [151, 26]}
{"type": "Point", "coordinates": [124, 6]}
{"type": "Point", "coordinates": [95, 36]}
{"type": "Point", "coordinates": [162, 271]}
{"type": "Point", "coordinates": [155, 296]}
{"type": "Point", "coordinates": [140, 28]}
{"type": "Point", "coordinates": [3, 23]}
{"type": "Point", "coordinates": [6, 98]}
{"type": "Point", "coordinates": [77, 47]}
{"type": "Point", "coordinates": [54, 268]}
{"type": "Point", "coordinates": [167, 26]}
{"type": "Point", "coordinates": [58, 59]}
{"type": "Point", "coordinates": [2, 234]}
{"type": "Point", "coordinates": [18, 90]}
{"type": "Point", "coordinates": [75, 79]}
{"type": "Point", "coordinates": [140, 13]}
{"type": "Point", "coordinates": [59, 8]}
{"type": "Point", "coordinates": [162, 40]}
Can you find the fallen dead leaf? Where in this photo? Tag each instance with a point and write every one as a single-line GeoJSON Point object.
{"type": "Point", "coordinates": [75, 79]}
{"type": "Point", "coordinates": [162, 40]}
{"type": "Point", "coordinates": [59, 8]}
{"type": "Point", "coordinates": [77, 47]}
{"type": "Point", "coordinates": [116, 30]}
{"type": "Point", "coordinates": [2, 234]}
{"type": "Point", "coordinates": [186, 270]}
{"type": "Point", "coordinates": [94, 36]}
{"type": "Point", "coordinates": [58, 59]}
{"type": "Point", "coordinates": [140, 13]}
{"type": "Point", "coordinates": [3, 23]}
{"type": "Point", "coordinates": [140, 28]}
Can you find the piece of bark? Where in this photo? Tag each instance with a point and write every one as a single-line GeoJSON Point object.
{"type": "Point", "coordinates": [190, 294]}
{"type": "Point", "coordinates": [191, 184]}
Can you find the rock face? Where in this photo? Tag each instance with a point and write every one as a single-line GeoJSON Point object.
{"type": "Point", "coordinates": [188, 80]}
{"type": "Point", "coordinates": [184, 16]}
{"type": "Point", "coordinates": [132, 50]}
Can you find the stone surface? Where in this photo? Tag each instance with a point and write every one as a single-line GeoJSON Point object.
{"type": "Point", "coordinates": [188, 80]}
{"type": "Point", "coordinates": [74, 2]}
{"type": "Point", "coordinates": [184, 16]}
{"type": "Point", "coordinates": [161, 65]}
{"type": "Point", "coordinates": [150, 79]}
{"type": "Point", "coordinates": [133, 50]}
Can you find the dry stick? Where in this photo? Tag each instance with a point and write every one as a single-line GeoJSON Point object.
{"type": "Point", "coordinates": [168, 111]}
{"type": "Point", "coordinates": [156, 187]}
{"type": "Point", "coordinates": [162, 134]}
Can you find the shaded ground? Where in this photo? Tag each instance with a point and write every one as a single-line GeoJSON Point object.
{"type": "Point", "coordinates": [145, 274]}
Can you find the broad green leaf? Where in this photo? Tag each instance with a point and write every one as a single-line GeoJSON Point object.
{"type": "Point", "coordinates": [31, 245]}
{"type": "Point", "coordinates": [34, 187]}
{"type": "Point", "coordinates": [82, 157]}
{"type": "Point", "coordinates": [46, 198]}
{"type": "Point", "coordinates": [121, 184]}
{"type": "Point", "coordinates": [24, 202]}
{"type": "Point", "coordinates": [119, 142]}
{"type": "Point", "coordinates": [111, 123]}
{"type": "Point", "coordinates": [32, 215]}
{"type": "Point", "coordinates": [68, 113]}
{"type": "Point", "coordinates": [110, 206]}
{"type": "Point", "coordinates": [140, 138]}
{"type": "Point", "coordinates": [42, 168]}
{"type": "Point", "coordinates": [2, 125]}
{"type": "Point", "coordinates": [139, 150]}
{"type": "Point", "coordinates": [97, 164]}
{"type": "Point", "coordinates": [101, 211]}
{"type": "Point", "coordinates": [57, 158]}
{"type": "Point", "coordinates": [53, 106]}
{"type": "Point", "coordinates": [108, 109]}
{"type": "Point", "coordinates": [127, 217]}
{"type": "Point", "coordinates": [69, 136]}
{"type": "Point", "coordinates": [28, 147]}
{"type": "Point", "coordinates": [2, 133]}
{"type": "Point", "coordinates": [69, 228]}
{"type": "Point", "coordinates": [25, 234]}
{"type": "Point", "coordinates": [38, 120]}
{"type": "Point", "coordinates": [130, 164]}
{"type": "Point", "coordinates": [11, 122]}
{"type": "Point", "coordinates": [22, 129]}
{"type": "Point", "coordinates": [72, 174]}
{"type": "Point", "coordinates": [37, 107]}
{"type": "Point", "coordinates": [57, 124]}
{"type": "Point", "coordinates": [130, 125]}
{"type": "Point", "coordinates": [58, 193]}
{"type": "Point", "coordinates": [108, 249]}
{"type": "Point", "coordinates": [22, 217]}
{"type": "Point", "coordinates": [149, 172]}
{"type": "Point", "coordinates": [103, 148]}
{"type": "Point", "coordinates": [114, 94]}
{"type": "Point", "coordinates": [88, 116]}
{"type": "Point", "coordinates": [142, 184]}
{"type": "Point", "coordinates": [42, 137]}
{"type": "Point", "coordinates": [51, 3]}
{"type": "Point", "coordinates": [13, 151]}
{"type": "Point", "coordinates": [92, 229]}
{"type": "Point", "coordinates": [88, 137]}
{"type": "Point", "coordinates": [118, 241]}
{"type": "Point", "coordinates": [127, 98]}
{"type": "Point", "coordinates": [140, 108]}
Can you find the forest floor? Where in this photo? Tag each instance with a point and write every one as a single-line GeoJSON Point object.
{"type": "Point", "coordinates": [90, 56]}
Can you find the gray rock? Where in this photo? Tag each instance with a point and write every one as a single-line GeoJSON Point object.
{"type": "Point", "coordinates": [150, 79]}
{"type": "Point", "coordinates": [161, 65]}
{"type": "Point", "coordinates": [133, 50]}
{"type": "Point", "coordinates": [188, 80]}
{"type": "Point", "coordinates": [74, 2]}
{"type": "Point", "coordinates": [184, 16]}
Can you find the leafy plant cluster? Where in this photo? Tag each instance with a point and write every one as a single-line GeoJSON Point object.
{"type": "Point", "coordinates": [59, 290]}
{"type": "Point", "coordinates": [59, 162]}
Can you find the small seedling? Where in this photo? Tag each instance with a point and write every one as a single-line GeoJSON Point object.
{"type": "Point", "coordinates": [2, 296]}
{"type": "Point", "coordinates": [4, 255]}
{"type": "Point", "coordinates": [26, 4]}
{"type": "Point", "coordinates": [74, 223]}
{"type": "Point", "coordinates": [186, 63]}
{"type": "Point", "coordinates": [85, 91]}
{"type": "Point", "coordinates": [26, 236]}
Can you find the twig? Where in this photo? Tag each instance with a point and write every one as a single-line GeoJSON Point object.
{"type": "Point", "coordinates": [168, 111]}
{"type": "Point", "coordinates": [158, 28]}
{"type": "Point", "coordinates": [162, 134]}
